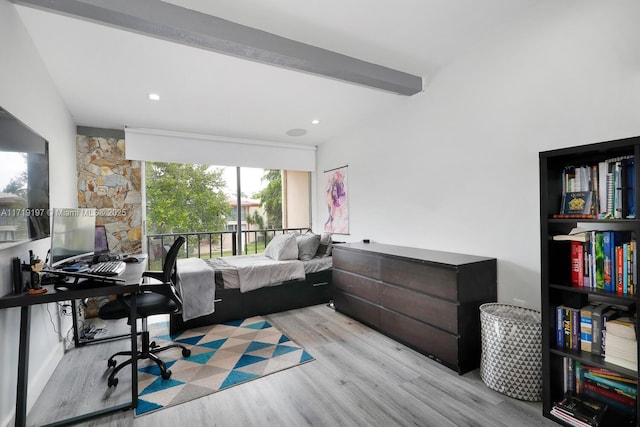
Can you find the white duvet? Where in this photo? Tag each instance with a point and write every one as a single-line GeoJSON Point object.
{"type": "Point", "coordinates": [257, 271]}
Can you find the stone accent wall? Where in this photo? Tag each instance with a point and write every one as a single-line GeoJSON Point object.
{"type": "Point", "coordinates": [112, 185]}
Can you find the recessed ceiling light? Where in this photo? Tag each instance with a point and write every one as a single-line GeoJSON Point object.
{"type": "Point", "coordinates": [154, 97]}
{"type": "Point", "coordinates": [315, 121]}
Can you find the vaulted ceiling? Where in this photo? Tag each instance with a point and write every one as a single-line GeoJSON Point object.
{"type": "Point", "coordinates": [105, 74]}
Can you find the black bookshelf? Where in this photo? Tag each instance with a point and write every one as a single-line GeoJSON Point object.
{"type": "Point", "coordinates": [556, 286]}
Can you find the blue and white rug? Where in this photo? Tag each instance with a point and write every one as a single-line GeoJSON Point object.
{"type": "Point", "coordinates": [222, 356]}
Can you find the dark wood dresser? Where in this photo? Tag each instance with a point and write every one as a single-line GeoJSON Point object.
{"type": "Point", "coordinates": [427, 300]}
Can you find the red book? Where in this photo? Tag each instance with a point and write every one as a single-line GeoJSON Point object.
{"type": "Point", "coordinates": [608, 392]}
{"type": "Point", "coordinates": [577, 274]}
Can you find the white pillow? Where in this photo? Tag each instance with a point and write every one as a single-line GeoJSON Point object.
{"type": "Point", "coordinates": [307, 245]}
{"type": "Point", "coordinates": [282, 247]}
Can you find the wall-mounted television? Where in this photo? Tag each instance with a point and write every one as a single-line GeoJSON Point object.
{"type": "Point", "coordinates": [24, 183]}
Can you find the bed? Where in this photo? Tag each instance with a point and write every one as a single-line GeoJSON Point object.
{"type": "Point", "coordinates": [278, 280]}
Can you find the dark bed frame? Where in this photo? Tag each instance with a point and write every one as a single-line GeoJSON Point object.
{"type": "Point", "coordinates": [231, 304]}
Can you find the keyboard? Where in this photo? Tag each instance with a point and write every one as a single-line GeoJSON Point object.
{"type": "Point", "coordinates": [108, 268]}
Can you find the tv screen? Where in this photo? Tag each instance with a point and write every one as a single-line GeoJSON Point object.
{"type": "Point", "coordinates": [73, 234]}
{"type": "Point", "coordinates": [24, 182]}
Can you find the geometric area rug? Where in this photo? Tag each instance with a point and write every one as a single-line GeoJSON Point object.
{"type": "Point", "coordinates": [222, 355]}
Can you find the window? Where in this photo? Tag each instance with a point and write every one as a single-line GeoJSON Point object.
{"type": "Point", "coordinates": [203, 201]}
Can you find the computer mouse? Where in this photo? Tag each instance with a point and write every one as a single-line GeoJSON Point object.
{"type": "Point", "coordinates": [131, 259]}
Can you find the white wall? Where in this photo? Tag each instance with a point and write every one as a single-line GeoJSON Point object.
{"type": "Point", "coordinates": [27, 92]}
{"type": "Point", "coordinates": [455, 168]}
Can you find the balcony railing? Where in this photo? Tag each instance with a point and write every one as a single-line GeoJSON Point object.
{"type": "Point", "coordinates": [211, 244]}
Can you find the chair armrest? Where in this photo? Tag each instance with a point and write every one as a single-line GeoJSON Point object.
{"type": "Point", "coordinates": [165, 289]}
{"type": "Point", "coordinates": [157, 275]}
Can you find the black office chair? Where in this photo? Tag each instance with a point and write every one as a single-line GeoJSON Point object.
{"type": "Point", "coordinates": [153, 298]}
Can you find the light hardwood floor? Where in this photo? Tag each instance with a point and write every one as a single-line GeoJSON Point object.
{"type": "Point", "coordinates": [359, 378]}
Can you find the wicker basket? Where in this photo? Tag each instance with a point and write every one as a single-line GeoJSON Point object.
{"type": "Point", "coordinates": [511, 361]}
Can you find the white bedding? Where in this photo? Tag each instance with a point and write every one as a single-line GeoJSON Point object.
{"type": "Point", "coordinates": [194, 278]}
{"type": "Point", "coordinates": [257, 271]}
{"type": "Point", "coordinates": [318, 264]}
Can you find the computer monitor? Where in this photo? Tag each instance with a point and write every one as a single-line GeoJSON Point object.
{"type": "Point", "coordinates": [72, 235]}
{"type": "Point", "coordinates": [101, 242]}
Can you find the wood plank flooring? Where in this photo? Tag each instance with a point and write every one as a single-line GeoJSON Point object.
{"type": "Point", "coordinates": [359, 378]}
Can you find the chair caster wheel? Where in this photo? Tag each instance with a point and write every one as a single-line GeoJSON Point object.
{"type": "Point", "coordinates": [186, 352]}
{"type": "Point", "coordinates": [112, 382]}
{"type": "Point", "coordinates": [111, 363]}
{"type": "Point", "coordinates": [166, 375]}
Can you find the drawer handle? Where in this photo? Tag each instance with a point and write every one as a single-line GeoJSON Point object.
{"type": "Point", "coordinates": [217, 300]}
{"type": "Point", "coordinates": [320, 284]}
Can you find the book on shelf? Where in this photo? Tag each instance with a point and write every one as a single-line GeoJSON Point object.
{"type": "Point", "coordinates": [628, 280]}
{"type": "Point", "coordinates": [603, 190]}
{"type": "Point", "coordinates": [604, 261]}
{"type": "Point", "coordinates": [578, 371]}
{"type": "Point", "coordinates": [568, 327]}
{"type": "Point", "coordinates": [588, 279]}
{"type": "Point", "coordinates": [621, 348]}
{"type": "Point", "coordinates": [621, 361]}
{"type": "Point", "coordinates": [622, 387]}
{"type": "Point", "coordinates": [599, 390]}
{"type": "Point", "coordinates": [560, 325]}
{"type": "Point", "coordinates": [612, 401]}
{"type": "Point", "coordinates": [629, 177]}
{"type": "Point", "coordinates": [601, 315]}
{"type": "Point", "coordinates": [621, 345]}
{"type": "Point", "coordinates": [596, 325]}
{"type": "Point", "coordinates": [607, 317]}
{"type": "Point", "coordinates": [604, 377]}
{"type": "Point", "coordinates": [582, 409]}
{"type": "Point", "coordinates": [569, 378]}
{"type": "Point", "coordinates": [617, 173]}
{"type": "Point", "coordinates": [572, 328]}
{"type": "Point", "coordinates": [609, 259]}
{"type": "Point", "coordinates": [577, 202]}
{"type": "Point", "coordinates": [620, 268]}
{"type": "Point", "coordinates": [607, 386]}
{"type": "Point", "coordinates": [624, 327]}
{"type": "Point", "coordinates": [586, 327]}
{"type": "Point", "coordinates": [602, 186]}
{"type": "Point", "coordinates": [567, 418]}
{"type": "Point", "coordinates": [598, 251]}
{"type": "Point", "coordinates": [577, 263]}
{"type": "Point", "coordinates": [576, 234]}
{"type": "Point", "coordinates": [608, 373]}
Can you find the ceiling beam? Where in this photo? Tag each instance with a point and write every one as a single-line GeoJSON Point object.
{"type": "Point", "coordinates": [192, 28]}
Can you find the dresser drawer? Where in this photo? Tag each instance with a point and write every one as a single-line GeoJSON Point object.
{"type": "Point", "coordinates": [360, 286]}
{"type": "Point", "coordinates": [357, 262]}
{"type": "Point", "coordinates": [433, 280]}
{"type": "Point", "coordinates": [428, 300]}
{"type": "Point", "coordinates": [434, 342]}
{"type": "Point", "coordinates": [357, 308]}
{"type": "Point", "coordinates": [435, 311]}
